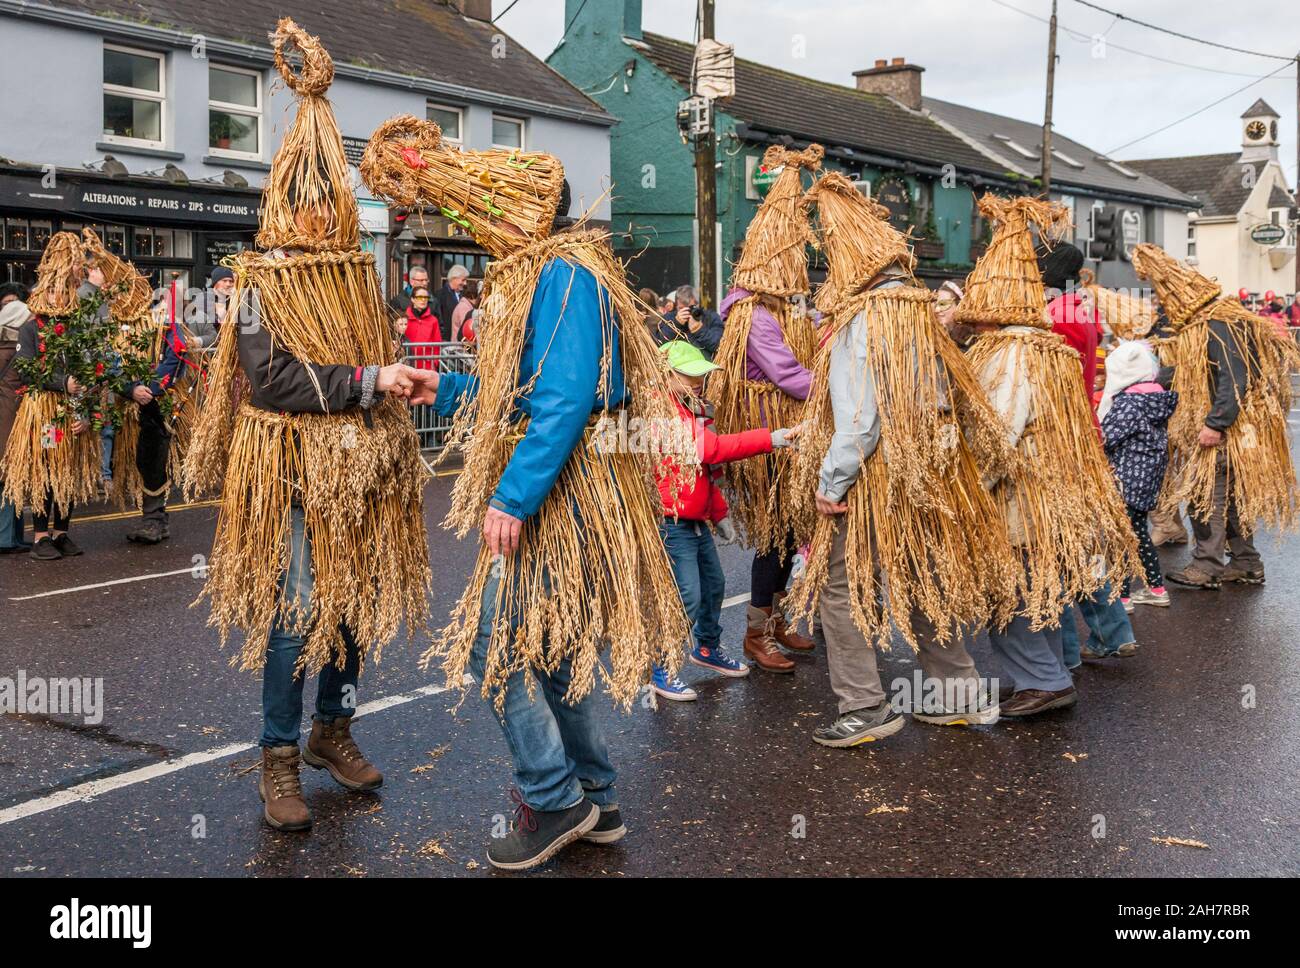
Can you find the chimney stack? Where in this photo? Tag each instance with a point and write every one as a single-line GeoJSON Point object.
{"type": "Point", "coordinates": [474, 9]}
{"type": "Point", "coordinates": [897, 79]}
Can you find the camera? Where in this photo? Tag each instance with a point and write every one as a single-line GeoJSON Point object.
{"type": "Point", "coordinates": [697, 312]}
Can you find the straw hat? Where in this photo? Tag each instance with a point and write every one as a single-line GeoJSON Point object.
{"type": "Point", "coordinates": [1006, 288]}
{"type": "Point", "coordinates": [856, 236]}
{"type": "Point", "coordinates": [1182, 290]}
{"type": "Point", "coordinates": [133, 302]}
{"type": "Point", "coordinates": [309, 174]}
{"type": "Point", "coordinates": [774, 259]}
{"type": "Point", "coordinates": [61, 272]}
{"type": "Point", "coordinates": [505, 198]}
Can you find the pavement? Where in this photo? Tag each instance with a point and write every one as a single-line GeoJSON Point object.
{"type": "Point", "coordinates": [1193, 739]}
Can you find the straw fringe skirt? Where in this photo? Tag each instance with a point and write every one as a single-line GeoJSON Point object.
{"type": "Point", "coordinates": [71, 469]}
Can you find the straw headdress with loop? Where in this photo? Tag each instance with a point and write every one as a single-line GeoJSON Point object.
{"type": "Point", "coordinates": [1062, 507]}
{"type": "Point", "coordinates": [773, 266]}
{"type": "Point", "coordinates": [505, 198]}
{"type": "Point", "coordinates": [356, 474]}
{"type": "Point", "coordinates": [1256, 447]}
{"type": "Point", "coordinates": [919, 521]}
{"type": "Point", "coordinates": [42, 456]}
{"type": "Point", "coordinates": [590, 570]}
{"type": "Point", "coordinates": [1127, 315]}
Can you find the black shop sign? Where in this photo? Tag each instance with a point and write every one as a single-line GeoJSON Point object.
{"type": "Point", "coordinates": [108, 201]}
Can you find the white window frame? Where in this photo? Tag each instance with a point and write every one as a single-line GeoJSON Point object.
{"type": "Point", "coordinates": [159, 97]}
{"type": "Point", "coordinates": [459, 142]}
{"type": "Point", "coordinates": [1191, 238]}
{"type": "Point", "coordinates": [242, 110]}
{"type": "Point", "coordinates": [523, 132]}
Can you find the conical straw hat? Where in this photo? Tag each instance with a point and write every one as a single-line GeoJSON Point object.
{"type": "Point", "coordinates": [774, 259]}
{"type": "Point", "coordinates": [1182, 290]}
{"type": "Point", "coordinates": [62, 270]}
{"type": "Point", "coordinates": [133, 302]}
{"type": "Point", "coordinates": [309, 174]}
{"type": "Point", "coordinates": [507, 199]}
{"type": "Point", "coordinates": [856, 236]}
{"type": "Point", "coordinates": [1005, 288]}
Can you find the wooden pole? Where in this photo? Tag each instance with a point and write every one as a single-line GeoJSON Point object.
{"type": "Point", "coordinates": [706, 184]}
{"type": "Point", "coordinates": [1047, 113]}
{"type": "Point", "coordinates": [1296, 196]}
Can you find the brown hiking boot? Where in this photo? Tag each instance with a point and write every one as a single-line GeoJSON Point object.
{"type": "Point", "coordinates": [1168, 536]}
{"type": "Point", "coordinates": [783, 633]}
{"type": "Point", "coordinates": [280, 789]}
{"type": "Point", "coordinates": [331, 747]}
{"type": "Point", "coordinates": [1193, 577]}
{"type": "Point", "coordinates": [760, 647]}
{"type": "Point", "coordinates": [1245, 576]}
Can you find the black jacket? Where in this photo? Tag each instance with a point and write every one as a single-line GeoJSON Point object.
{"type": "Point", "coordinates": [446, 305]}
{"type": "Point", "coordinates": [707, 339]}
{"type": "Point", "coordinates": [283, 384]}
{"type": "Point", "coordinates": [1230, 375]}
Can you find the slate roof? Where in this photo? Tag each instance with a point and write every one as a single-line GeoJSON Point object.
{"type": "Point", "coordinates": [1217, 180]}
{"type": "Point", "coordinates": [420, 38]}
{"type": "Point", "coordinates": [983, 127]}
{"type": "Point", "coordinates": [1260, 109]}
{"type": "Point", "coordinates": [833, 115]}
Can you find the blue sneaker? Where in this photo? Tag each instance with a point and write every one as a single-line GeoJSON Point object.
{"type": "Point", "coordinates": [712, 657]}
{"type": "Point", "coordinates": [673, 689]}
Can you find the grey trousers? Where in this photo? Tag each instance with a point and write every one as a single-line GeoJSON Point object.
{"type": "Point", "coordinates": [852, 659]}
{"type": "Point", "coordinates": [1033, 660]}
{"type": "Point", "coordinates": [1218, 526]}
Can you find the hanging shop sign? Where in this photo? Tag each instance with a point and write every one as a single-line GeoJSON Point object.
{"type": "Point", "coordinates": [1267, 234]}
{"type": "Point", "coordinates": [897, 197]}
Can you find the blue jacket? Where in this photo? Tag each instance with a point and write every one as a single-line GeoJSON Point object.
{"type": "Point", "coordinates": [171, 365]}
{"type": "Point", "coordinates": [1136, 429]}
{"type": "Point", "coordinates": [563, 344]}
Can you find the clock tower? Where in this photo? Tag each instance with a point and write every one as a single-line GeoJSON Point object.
{"type": "Point", "coordinates": [1259, 134]}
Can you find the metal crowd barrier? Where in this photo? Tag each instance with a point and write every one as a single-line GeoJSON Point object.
{"type": "Point", "coordinates": [446, 358]}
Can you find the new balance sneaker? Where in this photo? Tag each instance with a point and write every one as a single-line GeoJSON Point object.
{"type": "Point", "coordinates": [713, 657]}
{"type": "Point", "coordinates": [985, 713]}
{"type": "Point", "coordinates": [609, 828]}
{"type": "Point", "coordinates": [1151, 596]}
{"type": "Point", "coordinates": [860, 726]}
{"type": "Point", "coordinates": [538, 835]}
{"type": "Point", "coordinates": [673, 688]}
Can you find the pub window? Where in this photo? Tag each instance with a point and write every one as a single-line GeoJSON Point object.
{"type": "Point", "coordinates": [16, 234]}
{"type": "Point", "coordinates": [449, 120]}
{"type": "Point", "coordinates": [40, 234]}
{"type": "Point", "coordinates": [134, 96]}
{"type": "Point", "coordinates": [234, 112]}
{"type": "Point", "coordinates": [507, 132]}
{"type": "Point", "coordinates": [115, 239]}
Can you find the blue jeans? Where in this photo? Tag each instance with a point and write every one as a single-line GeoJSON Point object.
{"type": "Point", "coordinates": [699, 577]}
{"type": "Point", "coordinates": [106, 435]}
{"type": "Point", "coordinates": [559, 750]}
{"type": "Point", "coordinates": [11, 526]}
{"type": "Point", "coordinates": [281, 688]}
{"type": "Point", "coordinates": [1108, 625]}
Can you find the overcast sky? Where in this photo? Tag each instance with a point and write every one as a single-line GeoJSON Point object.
{"type": "Point", "coordinates": [985, 55]}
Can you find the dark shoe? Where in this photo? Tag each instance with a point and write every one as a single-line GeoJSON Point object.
{"type": "Point", "coordinates": [1031, 702]}
{"type": "Point", "coordinates": [331, 747]}
{"type": "Point", "coordinates": [760, 648]}
{"type": "Point", "coordinates": [1125, 651]}
{"type": "Point", "coordinates": [281, 789]}
{"type": "Point", "coordinates": [149, 532]}
{"type": "Point", "coordinates": [784, 635]}
{"type": "Point", "coordinates": [538, 835]}
{"type": "Point", "coordinates": [860, 726]}
{"type": "Point", "coordinates": [67, 547]}
{"type": "Point", "coordinates": [17, 549]}
{"type": "Point", "coordinates": [1193, 577]}
{"type": "Point", "coordinates": [45, 550]}
{"type": "Point", "coordinates": [1244, 576]}
{"type": "Point", "coordinates": [609, 828]}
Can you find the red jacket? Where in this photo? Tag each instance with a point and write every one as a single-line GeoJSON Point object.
{"type": "Point", "coordinates": [1078, 326]}
{"type": "Point", "coordinates": [422, 329]}
{"type": "Point", "coordinates": [701, 500]}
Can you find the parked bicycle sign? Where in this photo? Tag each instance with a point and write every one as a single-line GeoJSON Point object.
{"type": "Point", "coordinates": [1268, 234]}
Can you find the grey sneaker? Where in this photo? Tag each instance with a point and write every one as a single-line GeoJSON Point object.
{"type": "Point", "coordinates": [538, 835]}
{"type": "Point", "coordinates": [860, 726]}
{"type": "Point", "coordinates": [1145, 596]}
{"type": "Point", "coordinates": [609, 828]}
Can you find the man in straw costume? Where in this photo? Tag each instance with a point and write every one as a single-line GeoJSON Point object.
{"type": "Point", "coordinates": [767, 348]}
{"type": "Point", "coordinates": [320, 552]}
{"type": "Point", "coordinates": [572, 558]}
{"type": "Point", "coordinates": [1230, 452]}
{"type": "Point", "coordinates": [898, 440]}
{"type": "Point", "coordinates": [51, 463]}
{"type": "Point", "coordinates": [1062, 507]}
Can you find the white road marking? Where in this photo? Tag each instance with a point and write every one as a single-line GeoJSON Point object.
{"type": "Point", "coordinates": [102, 584]}
{"type": "Point", "coordinates": [735, 600]}
{"type": "Point", "coordinates": [84, 792]}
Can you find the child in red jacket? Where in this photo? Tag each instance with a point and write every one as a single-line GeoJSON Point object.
{"type": "Point", "coordinates": [693, 507]}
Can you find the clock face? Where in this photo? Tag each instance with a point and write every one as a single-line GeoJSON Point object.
{"type": "Point", "coordinates": [1256, 130]}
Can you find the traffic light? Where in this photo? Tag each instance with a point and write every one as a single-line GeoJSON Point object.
{"type": "Point", "coordinates": [1105, 244]}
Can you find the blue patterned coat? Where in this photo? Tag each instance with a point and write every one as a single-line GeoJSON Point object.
{"type": "Point", "coordinates": [1137, 443]}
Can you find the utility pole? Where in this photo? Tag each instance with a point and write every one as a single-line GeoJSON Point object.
{"type": "Point", "coordinates": [706, 194]}
{"type": "Point", "coordinates": [1047, 114]}
{"type": "Point", "coordinates": [1296, 196]}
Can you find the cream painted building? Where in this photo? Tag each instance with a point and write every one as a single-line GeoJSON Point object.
{"type": "Point", "coordinates": [1245, 233]}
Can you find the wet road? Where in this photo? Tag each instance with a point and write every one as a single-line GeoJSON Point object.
{"type": "Point", "coordinates": [1195, 738]}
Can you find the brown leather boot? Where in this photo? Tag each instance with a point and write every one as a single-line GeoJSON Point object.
{"type": "Point", "coordinates": [760, 647]}
{"type": "Point", "coordinates": [332, 747]}
{"type": "Point", "coordinates": [783, 633]}
{"type": "Point", "coordinates": [281, 790]}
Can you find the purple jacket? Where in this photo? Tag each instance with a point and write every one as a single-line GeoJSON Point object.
{"type": "Point", "coordinates": [767, 355]}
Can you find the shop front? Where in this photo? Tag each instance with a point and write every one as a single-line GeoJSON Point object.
{"type": "Point", "coordinates": [434, 242]}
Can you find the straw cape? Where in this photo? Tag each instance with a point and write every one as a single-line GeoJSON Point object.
{"type": "Point", "coordinates": [920, 522]}
{"type": "Point", "coordinates": [591, 568]}
{"type": "Point", "coordinates": [1062, 506]}
{"type": "Point", "coordinates": [356, 475]}
{"type": "Point", "coordinates": [1127, 315]}
{"type": "Point", "coordinates": [773, 265]}
{"type": "Point", "coordinates": [43, 456]}
{"type": "Point", "coordinates": [1261, 476]}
